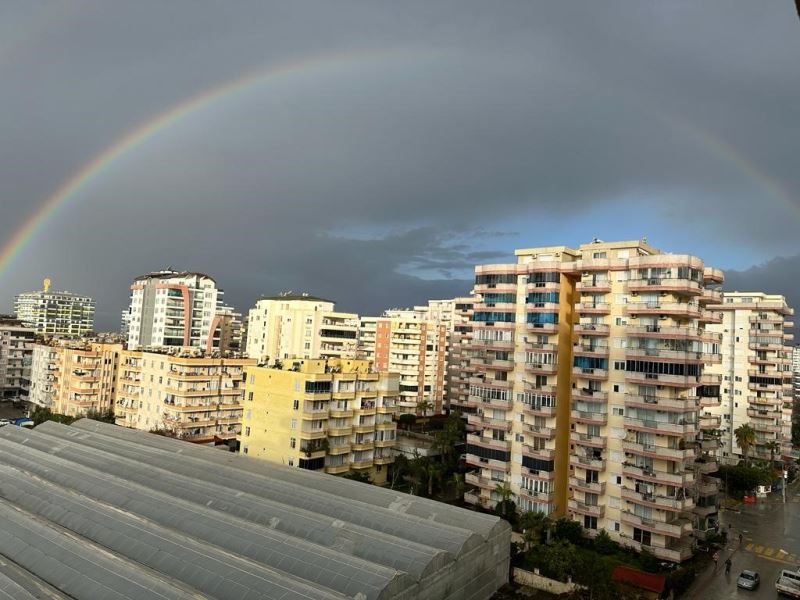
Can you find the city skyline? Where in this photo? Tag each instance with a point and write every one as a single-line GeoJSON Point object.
{"type": "Point", "coordinates": [377, 161]}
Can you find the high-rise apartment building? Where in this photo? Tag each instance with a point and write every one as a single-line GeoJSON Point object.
{"type": "Point", "coordinates": [16, 347]}
{"type": "Point", "coordinates": [587, 375]}
{"type": "Point", "coordinates": [74, 378]}
{"type": "Point", "coordinates": [321, 414]}
{"type": "Point", "coordinates": [60, 314]}
{"type": "Point", "coordinates": [189, 394]}
{"type": "Point", "coordinates": [457, 386]}
{"type": "Point", "coordinates": [409, 343]}
{"type": "Point", "coordinates": [756, 373]}
{"type": "Point", "coordinates": [299, 326]}
{"type": "Point", "coordinates": [180, 309]}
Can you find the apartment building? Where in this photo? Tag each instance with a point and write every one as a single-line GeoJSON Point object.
{"type": "Point", "coordinates": [586, 377]}
{"type": "Point", "coordinates": [409, 343]}
{"type": "Point", "coordinates": [332, 415]}
{"type": "Point", "coordinates": [74, 378]}
{"type": "Point", "coordinates": [16, 347]}
{"type": "Point", "coordinates": [299, 326]}
{"type": "Point", "coordinates": [180, 309]}
{"type": "Point", "coordinates": [756, 373]}
{"type": "Point", "coordinates": [457, 383]}
{"type": "Point", "coordinates": [61, 314]}
{"type": "Point", "coordinates": [186, 393]}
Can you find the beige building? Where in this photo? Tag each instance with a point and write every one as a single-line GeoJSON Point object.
{"type": "Point", "coordinates": [16, 347]}
{"type": "Point", "coordinates": [409, 343]}
{"type": "Point", "coordinates": [457, 384]}
{"type": "Point", "coordinates": [188, 394]}
{"type": "Point", "coordinates": [587, 371]}
{"type": "Point", "coordinates": [299, 325]}
{"type": "Point", "coordinates": [74, 378]}
{"type": "Point", "coordinates": [756, 373]}
{"type": "Point", "coordinates": [321, 414]}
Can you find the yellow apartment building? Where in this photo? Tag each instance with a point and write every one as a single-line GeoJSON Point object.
{"type": "Point", "coordinates": [332, 415]}
{"type": "Point", "coordinates": [586, 376]}
{"type": "Point", "coordinates": [190, 395]}
{"type": "Point", "coordinates": [74, 378]}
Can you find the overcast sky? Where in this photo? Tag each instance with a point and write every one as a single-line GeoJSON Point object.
{"type": "Point", "coordinates": [404, 142]}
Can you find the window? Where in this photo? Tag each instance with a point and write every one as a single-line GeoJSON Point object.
{"type": "Point", "coordinates": [295, 404]}
{"type": "Point", "coordinates": [294, 424]}
{"type": "Point", "coordinates": [291, 462]}
{"type": "Point", "coordinates": [292, 442]}
{"type": "Point", "coordinates": [249, 396]}
{"type": "Point", "coordinates": [641, 536]}
{"type": "Point", "coordinates": [246, 431]}
{"type": "Point", "coordinates": [245, 449]}
{"type": "Point", "coordinates": [589, 522]}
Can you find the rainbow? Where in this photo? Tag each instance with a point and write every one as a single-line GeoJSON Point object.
{"type": "Point", "coordinates": [152, 127]}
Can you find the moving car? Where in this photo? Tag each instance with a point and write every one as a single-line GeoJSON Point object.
{"type": "Point", "coordinates": [748, 580]}
{"type": "Point", "coordinates": [788, 583]}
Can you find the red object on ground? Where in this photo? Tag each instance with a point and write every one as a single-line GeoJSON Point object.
{"type": "Point", "coordinates": [749, 499]}
{"type": "Point", "coordinates": [639, 579]}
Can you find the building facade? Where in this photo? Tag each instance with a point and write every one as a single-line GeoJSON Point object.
{"type": "Point", "coordinates": [756, 373]}
{"type": "Point", "coordinates": [74, 378]}
{"type": "Point", "coordinates": [457, 384]}
{"type": "Point", "coordinates": [16, 348]}
{"type": "Point", "coordinates": [409, 343]}
{"type": "Point", "coordinates": [299, 326]}
{"type": "Point", "coordinates": [59, 314]}
{"type": "Point", "coordinates": [586, 377]}
{"type": "Point", "coordinates": [187, 394]}
{"type": "Point", "coordinates": [321, 414]}
{"type": "Point", "coordinates": [180, 309]}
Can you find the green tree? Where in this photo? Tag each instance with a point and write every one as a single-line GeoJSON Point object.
{"type": "Point", "coordinates": [506, 507]}
{"type": "Point", "coordinates": [535, 525]}
{"type": "Point", "coordinates": [745, 439]}
{"type": "Point", "coordinates": [423, 406]}
{"type": "Point", "coordinates": [446, 439]}
{"type": "Point", "coordinates": [357, 475]}
{"type": "Point", "coordinates": [773, 447]}
{"type": "Point", "coordinates": [569, 530]}
{"type": "Point", "coordinates": [399, 469]}
{"type": "Point", "coordinates": [457, 479]}
{"type": "Point", "coordinates": [604, 544]}
{"type": "Point", "coordinates": [558, 560]}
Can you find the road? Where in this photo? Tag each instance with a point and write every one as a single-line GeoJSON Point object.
{"type": "Point", "coordinates": [771, 542]}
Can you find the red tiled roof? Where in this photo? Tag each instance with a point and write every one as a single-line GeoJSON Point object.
{"type": "Point", "coordinates": [640, 579]}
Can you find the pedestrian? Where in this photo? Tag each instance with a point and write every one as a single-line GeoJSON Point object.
{"type": "Point", "coordinates": [727, 566]}
{"type": "Point", "coordinates": [716, 559]}
{"type": "Point", "coordinates": [740, 539]}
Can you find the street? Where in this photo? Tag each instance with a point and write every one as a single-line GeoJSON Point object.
{"type": "Point", "coordinates": [771, 542]}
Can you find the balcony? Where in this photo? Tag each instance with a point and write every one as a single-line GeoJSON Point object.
{"type": "Point", "coordinates": [657, 451]}
{"type": "Point", "coordinates": [680, 479]}
{"type": "Point", "coordinates": [669, 355]}
{"type": "Point", "coordinates": [540, 453]}
{"type": "Point", "coordinates": [598, 285]}
{"type": "Point", "coordinates": [673, 552]}
{"type": "Point", "coordinates": [584, 439]}
{"type": "Point", "coordinates": [679, 428]}
{"type": "Point", "coordinates": [339, 430]}
{"type": "Point", "coordinates": [585, 462]}
{"type": "Point", "coordinates": [596, 350]}
{"type": "Point", "coordinates": [543, 497]}
{"type": "Point", "coordinates": [539, 431]}
{"type": "Point", "coordinates": [589, 394]}
{"type": "Point", "coordinates": [593, 374]}
{"type": "Point", "coordinates": [663, 403]}
{"type": "Point", "coordinates": [592, 329]}
{"type": "Point", "coordinates": [761, 413]}
{"type": "Point", "coordinates": [682, 287]}
{"type": "Point", "coordinates": [706, 465]}
{"type": "Point", "coordinates": [484, 442]}
{"type": "Point", "coordinates": [597, 308]}
{"type": "Point", "coordinates": [337, 469]}
{"type": "Point", "coordinates": [482, 482]}
{"type": "Point", "coordinates": [589, 418]}
{"type": "Point", "coordinates": [339, 449]}
{"type": "Point", "coordinates": [541, 368]}
{"type": "Point", "coordinates": [667, 503]}
{"type": "Point", "coordinates": [483, 421]}
{"type": "Point", "coordinates": [685, 310]}
{"type": "Point", "coordinates": [585, 486]}
{"type": "Point", "coordinates": [486, 463]}
{"type": "Point", "coordinates": [582, 508]}
{"type": "Point", "coordinates": [707, 421]}
{"type": "Point", "coordinates": [682, 381]}
{"type": "Point", "coordinates": [710, 401]}
{"type": "Point", "coordinates": [675, 528]}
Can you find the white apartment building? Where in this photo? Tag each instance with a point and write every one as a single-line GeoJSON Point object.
{"type": "Point", "coordinates": [179, 309]}
{"type": "Point", "coordinates": [299, 326]}
{"type": "Point", "coordinates": [61, 314]}
{"type": "Point", "coordinates": [756, 373]}
{"type": "Point", "coordinates": [16, 348]}
{"type": "Point", "coordinates": [457, 386]}
{"type": "Point", "coordinates": [586, 376]}
{"type": "Point", "coordinates": [409, 343]}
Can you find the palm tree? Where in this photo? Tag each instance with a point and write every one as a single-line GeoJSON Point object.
{"type": "Point", "coordinates": [745, 439]}
{"type": "Point", "coordinates": [423, 406]}
{"type": "Point", "coordinates": [504, 506]}
{"type": "Point", "coordinates": [773, 447]}
{"type": "Point", "coordinates": [457, 480]}
{"type": "Point", "coordinates": [534, 524]}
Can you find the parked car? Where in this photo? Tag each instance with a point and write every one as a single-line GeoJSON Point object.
{"type": "Point", "coordinates": [748, 580]}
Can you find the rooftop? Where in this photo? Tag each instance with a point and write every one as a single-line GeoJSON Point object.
{"type": "Point", "coordinates": [288, 296]}
{"type": "Point", "coordinates": [94, 510]}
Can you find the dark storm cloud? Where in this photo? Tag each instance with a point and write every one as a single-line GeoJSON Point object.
{"type": "Point", "coordinates": [382, 181]}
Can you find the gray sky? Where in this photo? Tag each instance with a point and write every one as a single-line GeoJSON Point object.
{"type": "Point", "coordinates": [403, 143]}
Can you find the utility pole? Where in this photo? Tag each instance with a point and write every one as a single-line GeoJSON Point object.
{"type": "Point", "coordinates": [783, 486]}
